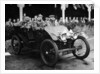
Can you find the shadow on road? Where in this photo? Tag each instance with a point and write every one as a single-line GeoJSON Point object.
{"type": "Point", "coordinates": [32, 61]}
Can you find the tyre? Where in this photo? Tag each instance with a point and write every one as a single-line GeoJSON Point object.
{"type": "Point", "coordinates": [49, 52]}
{"type": "Point", "coordinates": [16, 44]}
{"type": "Point", "coordinates": [81, 51]}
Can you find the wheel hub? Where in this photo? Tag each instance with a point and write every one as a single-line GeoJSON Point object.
{"type": "Point", "coordinates": [46, 52]}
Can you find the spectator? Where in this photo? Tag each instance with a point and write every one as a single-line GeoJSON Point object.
{"type": "Point", "coordinates": [52, 20]}
{"type": "Point", "coordinates": [18, 20]}
{"type": "Point", "coordinates": [76, 20]}
{"type": "Point", "coordinates": [14, 21]}
{"type": "Point", "coordinates": [61, 21]}
{"type": "Point", "coordinates": [70, 19]}
{"type": "Point", "coordinates": [66, 19]}
{"type": "Point", "coordinates": [9, 23]}
{"type": "Point", "coordinates": [47, 21]}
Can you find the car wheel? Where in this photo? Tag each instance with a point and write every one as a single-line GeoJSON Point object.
{"type": "Point", "coordinates": [16, 44]}
{"type": "Point", "coordinates": [82, 48]}
{"type": "Point", "coordinates": [49, 52]}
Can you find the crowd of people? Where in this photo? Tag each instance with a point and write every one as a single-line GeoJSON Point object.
{"type": "Point", "coordinates": [39, 21]}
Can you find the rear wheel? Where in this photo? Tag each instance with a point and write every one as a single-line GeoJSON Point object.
{"type": "Point", "coordinates": [49, 52]}
{"type": "Point", "coordinates": [16, 44]}
{"type": "Point", "coordinates": [82, 48]}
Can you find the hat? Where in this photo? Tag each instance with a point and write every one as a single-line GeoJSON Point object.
{"type": "Point", "coordinates": [40, 15]}
{"type": "Point", "coordinates": [51, 16]}
{"type": "Point", "coordinates": [26, 19]}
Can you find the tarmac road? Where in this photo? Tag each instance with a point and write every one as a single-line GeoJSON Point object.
{"type": "Point", "coordinates": [32, 61]}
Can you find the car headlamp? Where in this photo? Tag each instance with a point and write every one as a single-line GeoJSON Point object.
{"type": "Point", "coordinates": [63, 36]}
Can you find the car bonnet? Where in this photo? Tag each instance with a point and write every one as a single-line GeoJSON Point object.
{"type": "Point", "coordinates": [56, 30]}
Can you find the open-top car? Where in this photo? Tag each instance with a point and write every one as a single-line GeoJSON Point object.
{"type": "Point", "coordinates": [50, 41]}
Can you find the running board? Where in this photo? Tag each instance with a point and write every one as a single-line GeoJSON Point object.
{"type": "Point", "coordinates": [68, 49]}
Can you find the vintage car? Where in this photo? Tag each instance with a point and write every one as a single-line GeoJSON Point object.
{"type": "Point", "coordinates": [50, 42]}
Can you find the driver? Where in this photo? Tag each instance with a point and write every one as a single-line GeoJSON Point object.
{"type": "Point", "coordinates": [52, 20]}
{"type": "Point", "coordinates": [40, 22]}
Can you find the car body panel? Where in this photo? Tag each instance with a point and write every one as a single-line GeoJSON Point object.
{"type": "Point", "coordinates": [55, 31]}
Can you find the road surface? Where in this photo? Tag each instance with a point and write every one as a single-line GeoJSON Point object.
{"type": "Point", "coordinates": [32, 61]}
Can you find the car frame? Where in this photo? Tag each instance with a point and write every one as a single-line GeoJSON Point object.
{"type": "Point", "coordinates": [49, 41]}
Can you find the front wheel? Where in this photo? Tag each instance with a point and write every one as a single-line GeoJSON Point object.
{"type": "Point", "coordinates": [49, 52]}
{"type": "Point", "coordinates": [82, 48]}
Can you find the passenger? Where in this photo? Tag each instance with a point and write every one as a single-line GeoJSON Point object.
{"type": "Point", "coordinates": [47, 21]}
{"type": "Point", "coordinates": [34, 23]}
{"type": "Point", "coordinates": [52, 20]}
{"type": "Point", "coordinates": [9, 23]}
{"type": "Point", "coordinates": [27, 22]}
{"type": "Point", "coordinates": [40, 22]}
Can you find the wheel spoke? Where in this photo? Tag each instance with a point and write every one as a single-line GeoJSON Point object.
{"type": "Point", "coordinates": [48, 52]}
{"type": "Point", "coordinates": [16, 44]}
{"type": "Point", "coordinates": [80, 47]}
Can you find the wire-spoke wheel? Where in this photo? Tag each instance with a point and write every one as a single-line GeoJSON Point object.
{"type": "Point", "coordinates": [49, 52]}
{"type": "Point", "coordinates": [82, 48]}
{"type": "Point", "coordinates": [16, 44]}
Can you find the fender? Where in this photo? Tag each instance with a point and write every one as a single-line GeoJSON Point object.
{"type": "Point", "coordinates": [84, 35]}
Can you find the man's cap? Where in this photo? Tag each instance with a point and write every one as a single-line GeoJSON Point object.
{"type": "Point", "coordinates": [51, 16]}
{"type": "Point", "coordinates": [40, 15]}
